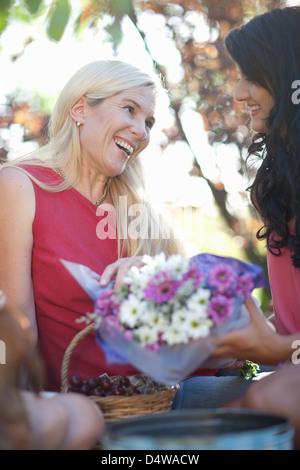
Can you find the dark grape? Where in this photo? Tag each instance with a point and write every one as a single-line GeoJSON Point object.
{"type": "Point", "coordinates": [124, 381]}
{"type": "Point", "coordinates": [99, 392]}
{"type": "Point", "coordinates": [76, 382]}
{"type": "Point", "coordinates": [117, 390]}
{"type": "Point", "coordinates": [105, 382]}
{"type": "Point", "coordinates": [104, 386]}
{"type": "Point", "coordinates": [93, 382]}
{"type": "Point", "coordinates": [85, 389]}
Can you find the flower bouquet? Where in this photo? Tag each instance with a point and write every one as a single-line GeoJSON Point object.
{"type": "Point", "coordinates": [169, 313]}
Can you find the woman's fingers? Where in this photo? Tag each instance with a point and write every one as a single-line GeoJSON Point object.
{"type": "Point", "coordinates": [236, 342]}
{"type": "Point", "coordinates": [119, 269]}
{"type": "Point", "coordinates": [252, 306]}
{"type": "Point", "coordinates": [109, 273]}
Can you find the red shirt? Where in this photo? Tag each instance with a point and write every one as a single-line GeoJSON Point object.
{"type": "Point", "coordinates": [65, 227]}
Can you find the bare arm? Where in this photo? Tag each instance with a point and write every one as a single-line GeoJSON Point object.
{"type": "Point", "coordinates": [67, 421]}
{"type": "Point", "coordinates": [277, 393]}
{"type": "Point", "coordinates": [257, 342]}
{"type": "Point", "coordinates": [17, 211]}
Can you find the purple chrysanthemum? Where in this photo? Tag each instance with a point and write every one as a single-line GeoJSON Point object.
{"type": "Point", "coordinates": [222, 277]}
{"type": "Point", "coordinates": [244, 285]}
{"type": "Point", "coordinates": [105, 303]}
{"type": "Point", "coordinates": [128, 334]}
{"type": "Point", "coordinates": [112, 323]}
{"type": "Point", "coordinates": [153, 346]}
{"type": "Point", "coordinates": [220, 308]}
{"type": "Point", "coordinates": [194, 274]}
{"type": "Point", "coordinates": [161, 289]}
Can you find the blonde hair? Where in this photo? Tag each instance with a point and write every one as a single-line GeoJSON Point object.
{"type": "Point", "coordinates": [96, 81]}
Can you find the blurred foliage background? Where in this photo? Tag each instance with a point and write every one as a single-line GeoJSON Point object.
{"type": "Point", "coordinates": [207, 128]}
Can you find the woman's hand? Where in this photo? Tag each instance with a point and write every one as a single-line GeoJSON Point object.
{"type": "Point", "coordinates": [277, 393]}
{"type": "Point", "coordinates": [257, 342]}
{"type": "Point", "coordinates": [119, 269]}
{"type": "Point", "coordinates": [66, 421]}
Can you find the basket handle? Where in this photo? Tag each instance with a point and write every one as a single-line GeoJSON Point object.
{"type": "Point", "coordinates": [68, 353]}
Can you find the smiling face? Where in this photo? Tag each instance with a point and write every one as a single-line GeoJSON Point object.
{"type": "Point", "coordinates": [258, 100]}
{"type": "Point", "coordinates": [116, 130]}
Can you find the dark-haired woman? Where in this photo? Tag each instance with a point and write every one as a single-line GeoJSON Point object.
{"type": "Point", "coordinates": [267, 53]}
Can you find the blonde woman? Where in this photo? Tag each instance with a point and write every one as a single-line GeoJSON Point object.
{"type": "Point", "coordinates": [51, 208]}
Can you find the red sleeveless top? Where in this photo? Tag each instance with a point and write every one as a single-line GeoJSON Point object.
{"type": "Point", "coordinates": [65, 227]}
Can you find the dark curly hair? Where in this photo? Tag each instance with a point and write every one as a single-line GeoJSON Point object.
{"type": "Point", "coordinates": [267, 50]}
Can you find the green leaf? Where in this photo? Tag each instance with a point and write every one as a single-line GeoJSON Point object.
{"type": "Point", "coordinates": [33, 6]}
{"type": "Point", "coordinates": [115, 32]}
{"type": "Point", "coordinates": [120, 7]}
{"type": "Point", "coordinates": [249, 370]}
{"type": "Point", "coordinates": [58, 19]}
{"type": "Point", "coordinates": [3, 22]}
{"type": "Point", "coordinates": [4, 14]}
{"type": "Point", "coordinates": [5, 5]}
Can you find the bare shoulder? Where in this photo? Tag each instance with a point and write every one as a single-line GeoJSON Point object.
{"type": "Point", "coordinates": [16, 188]}
{"type": "Point", "coordinates": [13, 175]}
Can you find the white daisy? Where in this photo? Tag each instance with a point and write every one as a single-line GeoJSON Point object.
{"type": "Point", "coordinates": [197, 326]}
{"type": "Point", "coordinates": [137, 281]}
{"type": "Point", "coordinates": [153, 264]}
{"type": "Point", "coordinates": [179, 318]}
{"type": "Point", "coordinates": [173, 335]}
{"type": "Point", "coordinates": [131, 311]}
{"type": "Point", "coordinates": [177, 264]}
{"type": "Point", "coordinates": [154, 318]}
{"type": "Point", "coordinates": [146, 334]}
{"type": "Point", "coordinates": [198, 302]}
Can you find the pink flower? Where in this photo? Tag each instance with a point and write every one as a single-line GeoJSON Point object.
{"type": "Point", "coordinates": [161, 289]}
{"type": "Point", "coordinates": [244, 285]}
{"type": "Point", "coordinates": [153, 346]}
{"type": "Point", "coordinates": [220, 308]}
{"type": "Point", "coordinates": [194, 274]}
{"type": "Point", "coordinates": [105, 304]}
{"type": "Point", "coordinates": [112, 325]}
{"type": "Point", "coordinates": [128, 334]}
{"type": "Point", "coordinates": [223, 277]}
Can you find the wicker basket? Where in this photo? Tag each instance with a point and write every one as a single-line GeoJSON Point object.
{"type": "Point", "coordinates": [117, 407]}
